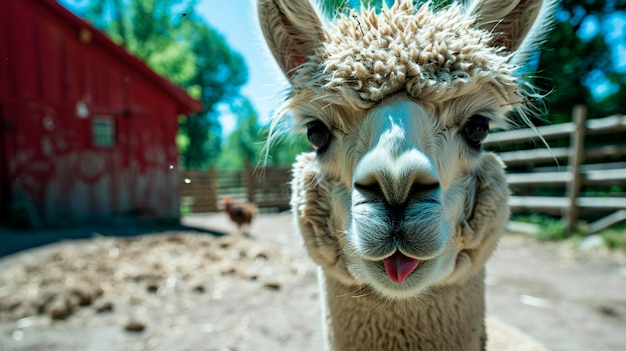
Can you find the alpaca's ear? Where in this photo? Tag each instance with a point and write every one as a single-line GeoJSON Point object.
{"type": "Point", "coordinates": [292, 30]}
{"type": "Point", "coordinates": [517, 25]}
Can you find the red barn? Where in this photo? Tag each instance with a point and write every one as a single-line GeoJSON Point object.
{"type": "Point", "coordinates": [87, 131]}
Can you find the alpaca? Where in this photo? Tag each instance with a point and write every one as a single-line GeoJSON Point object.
{"type": "Point", "coordinates": [397, 204]}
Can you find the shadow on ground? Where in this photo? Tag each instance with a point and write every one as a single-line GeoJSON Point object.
{"type": "Point", "coordinates": [14, 240]}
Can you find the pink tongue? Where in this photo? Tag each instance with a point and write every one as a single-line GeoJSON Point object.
{"type": "Point", "coordinates": [399, 266]}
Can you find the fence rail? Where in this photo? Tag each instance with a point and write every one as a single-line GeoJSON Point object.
{"type": "Point", "coordinates": [609, 124]}
{"type": "Point", "coordinates": [571, 179]}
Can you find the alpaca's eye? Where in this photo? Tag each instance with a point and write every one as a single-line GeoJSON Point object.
{"type": "Point", "coordinates": [318, 134]}
{"type": "Point", "coordinates": [475, 130]}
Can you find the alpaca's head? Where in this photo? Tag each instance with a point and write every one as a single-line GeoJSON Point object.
{"type": "Point", "coordinates": [399, 195]}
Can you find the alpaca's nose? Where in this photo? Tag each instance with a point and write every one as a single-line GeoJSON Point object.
{"type": "Point", "coordinates": [396, 181]}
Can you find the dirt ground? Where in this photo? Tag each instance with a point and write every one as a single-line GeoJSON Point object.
{"type": "Point", "coordinates": [190, 288]}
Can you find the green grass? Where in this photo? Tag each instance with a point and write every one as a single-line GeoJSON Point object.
{"type": "Point", "coordinates": [615, 237]}
{"type": "Point", "coordinates": [184, 209]}
{"type": "Point", "coordinates": [552, 229]}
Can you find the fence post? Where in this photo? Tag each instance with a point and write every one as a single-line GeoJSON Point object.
{"type": "Point", "coordinates": [576, 157]}
{"type": "Point", "coordinates": [248, 172]}
{"type": "Point", "coordinates": [213, 189]}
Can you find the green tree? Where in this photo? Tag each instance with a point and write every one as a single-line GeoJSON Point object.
{"type": "Point", "coordinates": [220, 74]}
{"type": "Point", "coordinates": [283, 151]}
{"type": "Point", "coordinates": [178, 44]}
{"type": "Point", "coordinates": [578, 56]}
{"type": "Point", "coordinates": [151, 31]}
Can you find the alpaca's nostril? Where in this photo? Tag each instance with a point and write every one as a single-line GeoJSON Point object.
{"type": "Point", "coordinates": [422, 189]}
{"type": "Point", "coordinates": [395, 198]}
{"type": "Point", "coordinates": [372, 189]}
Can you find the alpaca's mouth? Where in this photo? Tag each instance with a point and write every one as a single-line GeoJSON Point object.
{"type": "Point", "coordinates": [398, 266]}
{"type": "Point", "coordinates": [399, 275]}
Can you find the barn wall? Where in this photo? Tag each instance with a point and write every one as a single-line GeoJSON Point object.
{"type": "Point", "coordinates": [52, 164]}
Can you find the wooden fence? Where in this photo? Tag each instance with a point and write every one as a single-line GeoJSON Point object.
{"type": "Point", "coordinates": [267, 187]}
{"type": "Point", "coordinates": [581, 169]}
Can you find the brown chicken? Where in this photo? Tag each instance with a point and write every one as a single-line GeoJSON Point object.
{"type": "Point", "coordinates": [240, 213]}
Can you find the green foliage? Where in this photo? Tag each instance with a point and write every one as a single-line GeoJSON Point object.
{"type": "Point", "coordinates": [220, 74]}
{"type": "Point", "coordinates": [176, 43]}
{"type": "Point", "coordinates": [615, 237]}
{"type": "Point", "coordinates": [185, 209]}
{"type": "Point", "coordinates": [550, 228]}
{"type": "Point", "coordinates": [244, 145]}
{"type": "Point", "coordinates": [172, 62]}
{"type": "Point", "coordinates": [575, 59]}
{"type": "Point", "coordinates": [150, 30]}
{"type": "Point", "coordinates": [283, 151]}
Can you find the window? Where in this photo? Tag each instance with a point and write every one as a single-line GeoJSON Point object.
{"type": "Point", "coordinates": [103, 131]}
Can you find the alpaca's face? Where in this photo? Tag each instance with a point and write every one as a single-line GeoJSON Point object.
{"type": "Point", "coordinates": [398, 194]}
{"type": "Point", "coordinates": [408, 174]}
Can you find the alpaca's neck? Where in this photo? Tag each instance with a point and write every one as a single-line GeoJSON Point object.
{"type": "Point", "coordinates": [447, 318]}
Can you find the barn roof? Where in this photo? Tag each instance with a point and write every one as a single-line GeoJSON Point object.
{"type": "Point", "coordinates": [186, 104]}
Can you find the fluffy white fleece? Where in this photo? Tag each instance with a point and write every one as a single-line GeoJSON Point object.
{"type": "Point", "coordinates": [432, 55]}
